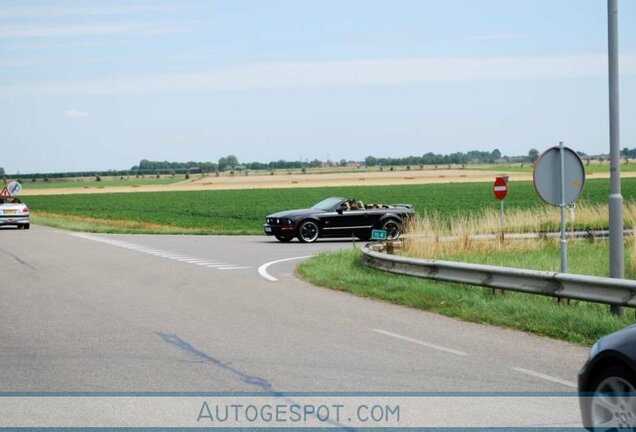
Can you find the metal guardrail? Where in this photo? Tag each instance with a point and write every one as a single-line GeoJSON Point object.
{"type": "Point", "coordinates": [589, 234]}
{"type": "Point", "coordinates": [620, 292]}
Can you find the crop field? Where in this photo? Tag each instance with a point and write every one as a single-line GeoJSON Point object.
{"type": "Point", "coordinates": [41, 184]}
{"type": "Point", "coordinates": [243, 211]}
{"type": "Point", "coordinates": [312, 177]}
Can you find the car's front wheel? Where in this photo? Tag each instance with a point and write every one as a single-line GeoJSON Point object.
{"type": "Point", "coordinates": [613, 406]}
{"type": "Point", "coordinates": [308, 232]}
{"type": "Point", "coordinates": [284, 238]}
{"type": "Point", "coordinates": [392, 228]}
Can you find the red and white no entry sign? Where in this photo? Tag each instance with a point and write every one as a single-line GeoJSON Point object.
{"type": "Point", "coordinates": [500, 188]}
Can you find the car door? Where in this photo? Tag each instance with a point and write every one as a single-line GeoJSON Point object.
{"type": "Point", "coordinates": [345, 223]}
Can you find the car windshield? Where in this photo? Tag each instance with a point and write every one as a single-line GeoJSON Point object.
{"type": "Point", "coordinates": [328, 204]}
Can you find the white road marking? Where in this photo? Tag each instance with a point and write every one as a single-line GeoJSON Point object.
{"type": "Point", "coordinates": [262, 270]}
{"type": "Point", "coordinates": [545, 377]}
{"type": "Point", "coordinates": [211, 263]}
{"type": "Point", "coordinates": [419, 342]}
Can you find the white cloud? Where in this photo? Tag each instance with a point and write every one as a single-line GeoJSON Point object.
{"type": "Point", "coordinates": [343, 73]}
{"type": "Point", "coordinates": [76, 113]}
{"type": "Point", "coordinates": [498, 36]}
{"type": "Point", "coordinates": [48, 31]}
{"type": "Point", "coordinates": [63, 10]}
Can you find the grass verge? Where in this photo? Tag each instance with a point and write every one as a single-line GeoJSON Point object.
{"type": "Point", "coordinates": [578, 322]}
{"type": "Point", "coordinates": [115, 226]}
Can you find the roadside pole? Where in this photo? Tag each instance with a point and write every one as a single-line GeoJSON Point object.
{"type": "Point", "coordinates": [616, 241]}
{"type": "Point", "coordinates": [500, 190]}
{"type": "Point", "coordinates": [564, 240]}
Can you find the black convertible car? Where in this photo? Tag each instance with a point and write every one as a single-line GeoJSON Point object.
{"type": "Point", "coordinates": [338, 217]}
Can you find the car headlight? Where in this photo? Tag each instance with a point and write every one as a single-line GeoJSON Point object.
{"type": "Point", "coordinates": [289, 222]}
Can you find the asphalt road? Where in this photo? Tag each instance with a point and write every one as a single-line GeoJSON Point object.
{"type": "Point", "coordinates": [88, 312]}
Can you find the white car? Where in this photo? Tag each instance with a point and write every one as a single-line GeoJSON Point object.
{"type": "Point", "coordinates": [15, 213]}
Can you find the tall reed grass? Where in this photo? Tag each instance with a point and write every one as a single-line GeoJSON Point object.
{"type": "Point", "coordinates": [435, 236]}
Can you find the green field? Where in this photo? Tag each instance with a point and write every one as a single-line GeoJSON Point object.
{"type": "Point", "coordinates": [41, 184]}
{"type": "Point", "coordinates": [243, 211]}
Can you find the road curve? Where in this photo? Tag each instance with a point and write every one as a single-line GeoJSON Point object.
{"type": "Point", "coordinates": [89, 312]}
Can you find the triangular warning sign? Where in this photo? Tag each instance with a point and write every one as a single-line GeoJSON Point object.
{"type": "Point", "coordinates": [5, 193]}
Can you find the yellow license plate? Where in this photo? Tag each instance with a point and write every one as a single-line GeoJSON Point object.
{"type": "Point", "coordinates": [10, 211]}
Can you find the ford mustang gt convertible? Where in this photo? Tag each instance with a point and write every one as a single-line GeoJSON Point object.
{"type": "Point", "coordinates": [338, 217]}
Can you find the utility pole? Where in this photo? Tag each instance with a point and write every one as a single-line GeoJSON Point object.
{"type": "Point", "coordinates": [616, 241]}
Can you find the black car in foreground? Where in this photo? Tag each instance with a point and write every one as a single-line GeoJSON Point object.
{"type": "Point", "coordinates": [607, 383]}
{"type": "Point", "coordinates": [338, 217]}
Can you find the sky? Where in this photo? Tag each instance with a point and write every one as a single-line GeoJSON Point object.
{"type": "Point", "coordinates": [97, 85]}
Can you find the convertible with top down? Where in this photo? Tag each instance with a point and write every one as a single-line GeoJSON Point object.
{"type": "Point", "coordinates": [338, 217]}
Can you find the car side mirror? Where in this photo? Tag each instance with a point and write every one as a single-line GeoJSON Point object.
{"type": "Point", "coordinates": [341, 208]}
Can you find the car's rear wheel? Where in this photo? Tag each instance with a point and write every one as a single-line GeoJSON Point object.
{"type": "Point", "coordinates": [284, 238]}
{"type": "Point", "coordinates": [308, 232]}
{"type": "Point", "coordinates": [392, 228]}
{"type": "Point", "coordinates": [27, 226]}
{"type": "Point", "coordinates": [612, 407]}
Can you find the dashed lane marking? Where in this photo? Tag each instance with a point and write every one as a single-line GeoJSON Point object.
{"type": "Point", "coordinates": [211, 263]}
{"type": "Point", "coordinates": [419, 342]}
{"type": "Point", "coordinates": [545, 377]}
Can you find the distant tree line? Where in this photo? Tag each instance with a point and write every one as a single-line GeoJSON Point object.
{"type": "Point", "coordinates": [629, 153]}
{"type": "Point", "coordinates": [151, 167]}
{"type": "Point", "coordinates": [474, 156]}
{"type": "Point", "coordinates": [231, 163]}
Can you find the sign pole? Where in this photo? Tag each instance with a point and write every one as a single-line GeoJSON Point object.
{"type": "Point", "coordinates": [564, 241]}
{"type": "Point", "coordinates": [616, 241]}
{"type": "Point", "coordinates": [500, 190]}
{"type": "Point", "coordinates": [559, 177]}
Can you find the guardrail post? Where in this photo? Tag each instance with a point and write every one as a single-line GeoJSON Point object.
{"type": "Point", "coordinates": [389, 247]}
